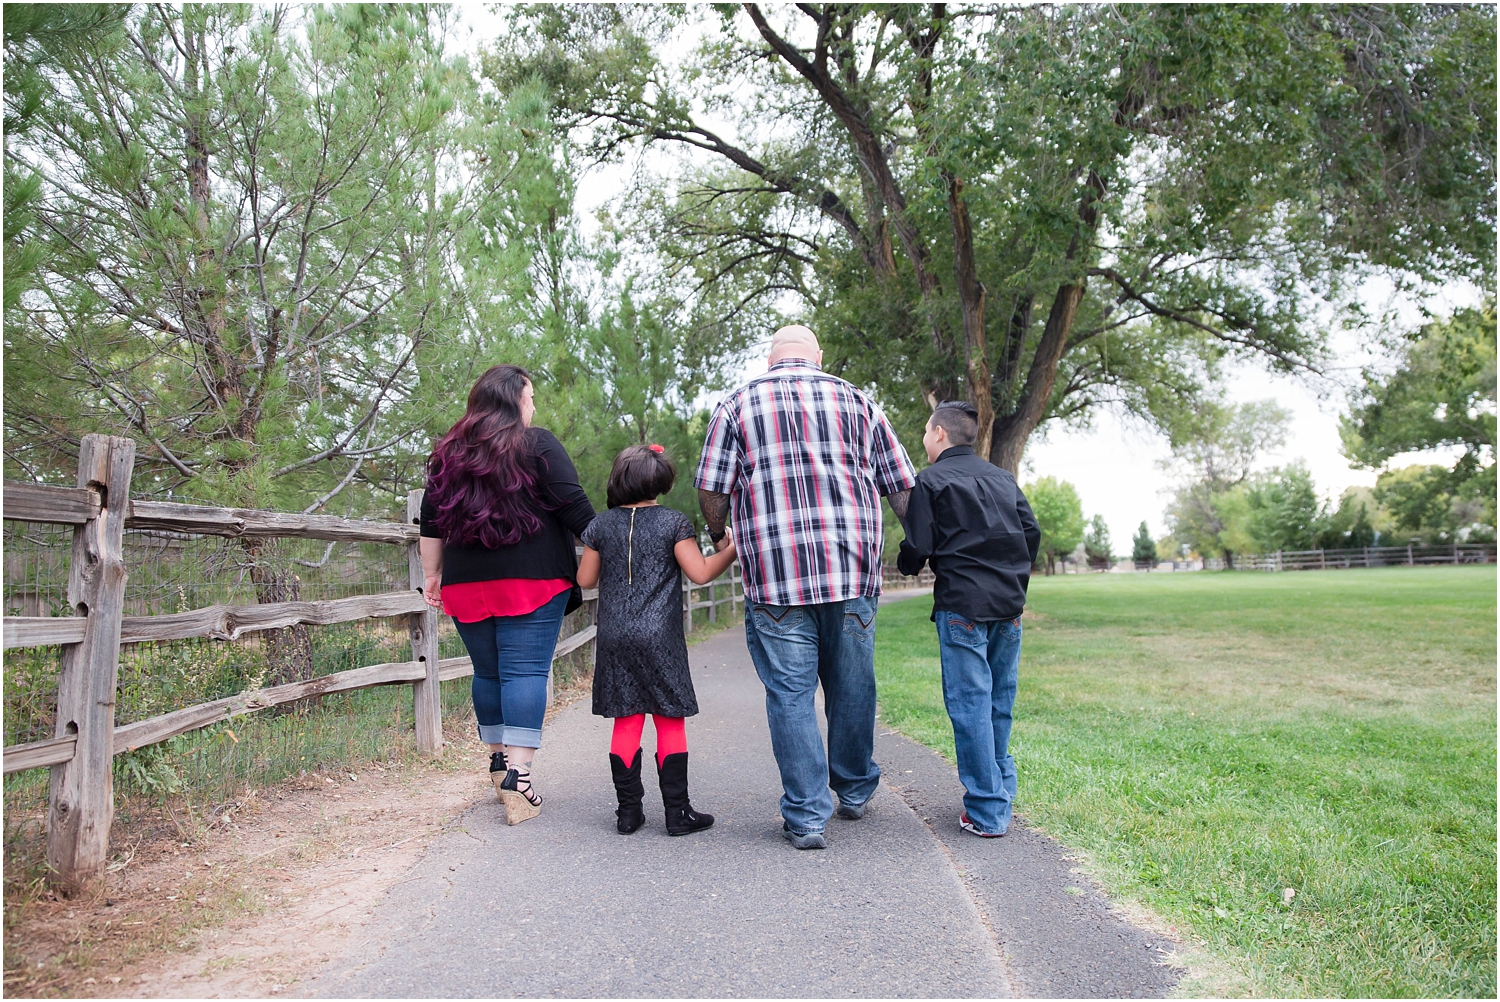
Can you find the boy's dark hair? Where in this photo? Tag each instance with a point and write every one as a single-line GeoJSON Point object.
{"type": "Point", "coordinates": [960, 419]}
{"type": "Point", "coordinates": [640, 473]}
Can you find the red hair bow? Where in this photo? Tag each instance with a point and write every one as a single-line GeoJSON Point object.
{"type": "Point", "coordinates": [656, 448]}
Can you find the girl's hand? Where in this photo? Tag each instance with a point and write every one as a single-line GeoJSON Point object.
{"type": "Point", "coordinates": [432, 590]}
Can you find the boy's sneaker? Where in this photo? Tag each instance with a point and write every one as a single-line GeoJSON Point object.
{"type": "Point", "coordinates": [973, 829]}
{"type": "Point", "coordinates": [854, 811]}
{"type": "Point", "coordinates": [804, 840]}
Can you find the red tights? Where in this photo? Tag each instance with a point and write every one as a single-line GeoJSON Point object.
{"type": "Point", "coordinates": [671, 736]}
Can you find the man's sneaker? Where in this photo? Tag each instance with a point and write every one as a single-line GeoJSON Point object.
{"type": "Point", "coordinates": [973, 829]}
{"type": "Point", "coordinates": [804, 840]}
{"type": "Point", "coordinates": [854, 811]}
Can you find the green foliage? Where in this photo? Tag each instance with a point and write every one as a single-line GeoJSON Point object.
{"type": "Point", "coordinates": [1207, 741]}
{"type": "Point", "coordinates": [1096, 542]}
{"type": "Point", "coordinates": [1357, 521]}
{"type": "Point", "coordinates": [1200, 172]}
{"type": "Point", "coordinates": [262, 257]}
{"type": "Point", "coordinates": [147, 770]}
{"type": "Point", "coordinates": [1435, 504]}
{"type": "Point", "coordinates": [34, 34]}
{"type": "Point", "coordinates": [1284, 511]}
{"type": "Point", "coordinates": [1059, 514]}
{"type": "Point", "coordinates": [1216, 451]}
{"type": "Point", "coordinates": [1441, 395]}
{"type": "Point", "coordinates": [1143, 549]}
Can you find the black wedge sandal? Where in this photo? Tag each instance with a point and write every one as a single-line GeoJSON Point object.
{"type": "Point", "coordinates": [498, 770]}
{"type": "Point", "coordinates": [522, 803]}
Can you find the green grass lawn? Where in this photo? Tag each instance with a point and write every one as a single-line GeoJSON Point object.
{"type": "Point", "coordinates": [1210, 740]}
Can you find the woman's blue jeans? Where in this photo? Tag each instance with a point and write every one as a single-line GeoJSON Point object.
{"type": "Point", "coordinates": [512, 658]}
{"type": "Point", "coordinates": [981, 661]}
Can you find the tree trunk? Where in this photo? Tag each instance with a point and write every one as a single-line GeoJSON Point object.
{"type": "Point", "coordinates": [971, 298]}
{"type": "Point", "coordinates": [1011, 432]}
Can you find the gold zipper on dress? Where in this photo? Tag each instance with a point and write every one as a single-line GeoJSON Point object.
{"type": "Point", "coordinates": [630, 552]}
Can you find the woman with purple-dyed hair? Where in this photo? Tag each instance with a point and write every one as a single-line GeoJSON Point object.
{"type": "Point", "coordinates": [499, 517]}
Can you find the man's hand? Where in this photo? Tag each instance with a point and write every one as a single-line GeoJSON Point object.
{"type": "Point", "coordinates": [715, 507]}
{"type": "Point", "coordinates": [899, 502]}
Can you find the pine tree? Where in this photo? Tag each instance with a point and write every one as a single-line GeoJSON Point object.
{"type": "Point", "coordinates": [1144, 550]}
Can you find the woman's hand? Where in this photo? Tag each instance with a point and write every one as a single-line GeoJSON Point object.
{"type": "Point", "coordinates": [432, 590]}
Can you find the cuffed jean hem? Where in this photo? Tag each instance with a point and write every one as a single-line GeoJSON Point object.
{"type": "Point", "coordinates": [492, 734]}
{"type": "Point", "coordinates": [521, 737]}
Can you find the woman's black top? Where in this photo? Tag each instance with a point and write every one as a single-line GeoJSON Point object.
{"type": "Point", "coordinates": [547, 555]}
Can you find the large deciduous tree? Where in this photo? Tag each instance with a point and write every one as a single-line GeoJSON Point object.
{"type": "Point", "coordinates": [1441, 395]}
{"type": "Point", "coordinates": [1044, 209]}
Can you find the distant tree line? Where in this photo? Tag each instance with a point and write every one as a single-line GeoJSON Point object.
{"type": "Point", "coordinates": [1441, 396]}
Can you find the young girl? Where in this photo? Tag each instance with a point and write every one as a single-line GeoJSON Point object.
{"type": "Point", "coordinates": [633, 552]}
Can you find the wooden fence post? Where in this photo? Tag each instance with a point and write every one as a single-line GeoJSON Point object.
{"type": "Point", "coordinates": [82, 797]}
{"type": "Point", "coordinates": [687, 606]}
{"type": "Point", "coordinates": [1410, 562]}
{"type": "Point", "coordinates": [427, 694]}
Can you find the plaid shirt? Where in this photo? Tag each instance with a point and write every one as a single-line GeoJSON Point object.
{"type": "Point", "coordinates": [806, 458]}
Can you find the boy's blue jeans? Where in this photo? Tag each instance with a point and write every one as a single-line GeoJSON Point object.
{"type": "Point", "coordinates": [794, 648]}
{"type": "Point", "coordinates": [981, 659]}
{"type": "Point", "coordinates": [512, 658]}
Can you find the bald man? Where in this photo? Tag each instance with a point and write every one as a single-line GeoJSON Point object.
{"type": "Point", "coordinates": [797, 460]}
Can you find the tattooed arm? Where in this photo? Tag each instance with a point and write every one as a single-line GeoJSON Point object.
{"type": "Point", "coordinates": [899, 502]}
{"type": "Point", "coordinates": [715, 508]}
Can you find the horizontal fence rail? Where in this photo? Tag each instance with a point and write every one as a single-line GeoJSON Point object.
{"type": "Point", "coordinates": [216, 622]}
{"type": "Point", "coordinates": [81, 796]}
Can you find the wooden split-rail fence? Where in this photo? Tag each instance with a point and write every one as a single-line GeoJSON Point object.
{"type": "Point", "coordinates": [1408, 555]}
{"type": "Point", "coordinates": [81, 796]}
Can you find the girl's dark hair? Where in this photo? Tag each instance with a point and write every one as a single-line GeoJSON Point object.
{"type": "Point", "coordinates": [483, 477]}
{"type": "Point", "coordinates": [640, 473]}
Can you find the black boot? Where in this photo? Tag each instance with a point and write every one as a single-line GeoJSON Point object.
{"type": "Point", "coordinates": [681, 818]}
{"type": "Point", "coordinates": [630, 791]}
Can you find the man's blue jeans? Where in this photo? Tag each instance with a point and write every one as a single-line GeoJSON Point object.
{"type": "Point", "coordinates": [794, 648]}
{"type": "Point", "coordinates": [981, 659]}
{"type": "Point", "coordinates": [512, 658]}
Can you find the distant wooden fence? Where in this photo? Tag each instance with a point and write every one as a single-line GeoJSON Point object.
{"type": "Point", "coordinates": [81, 801]}
{"type": "Point", "coordinates": [1410, 555]}
{"type": "Point", "coordinates": [895, 580]}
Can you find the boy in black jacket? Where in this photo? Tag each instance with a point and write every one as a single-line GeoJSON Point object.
{"type": "Point", "coordinates": [969, 519]}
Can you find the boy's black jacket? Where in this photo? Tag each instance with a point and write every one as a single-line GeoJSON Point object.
{"type": "Point", "coordinates": [969, 519]}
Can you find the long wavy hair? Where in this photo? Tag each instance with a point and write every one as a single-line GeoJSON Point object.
{"type": "Point", "coordinates": [483, 477]}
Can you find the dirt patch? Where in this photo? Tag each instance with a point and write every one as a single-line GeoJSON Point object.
{"type": "Point", "coordinates": [276, 884]}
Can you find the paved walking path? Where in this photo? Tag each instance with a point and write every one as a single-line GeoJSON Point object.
{"type": "Point", "coordinates": [901, 904]}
